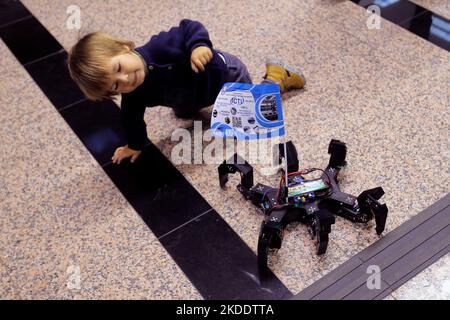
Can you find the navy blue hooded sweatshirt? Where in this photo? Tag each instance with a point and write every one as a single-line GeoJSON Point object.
{"type": "Point", "coordinates": [170, 80]}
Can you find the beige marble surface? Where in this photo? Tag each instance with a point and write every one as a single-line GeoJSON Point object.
{"type": "Point", "coordinates": [383, 92]}
{"type": "Point", "coordinates": [431, 284]}
{"type": "Point", "coordinates": [61, 211]}
{"type": "Point", "coordinates": [394, 42]}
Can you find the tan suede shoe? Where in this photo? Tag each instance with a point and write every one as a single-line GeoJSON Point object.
{"type": "Point", "coordinates": [287, 77]}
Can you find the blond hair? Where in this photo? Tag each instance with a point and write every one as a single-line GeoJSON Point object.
{"type": "Point", "coordinates": [88, 63]}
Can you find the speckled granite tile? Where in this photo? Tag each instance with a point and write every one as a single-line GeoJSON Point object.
{"type": "Point", "coordinates": [49, 221]}
{"type": "Point", "coordinates": [382, 150]}
{"type": "Point", "coordinates": [40, 238]}
{"type": "Point", "coordinates": [19, 88]}
{"type": "Point", "coordinates": [109, 256]}
{"type": "Point", "coordinates": [60, 209]}
{"type": "Point", "coordinates": [8, 289]}
{"type": "Point", "coordinates": [138, 25]}
{"type": "Point", "coordinates": [137, 267]}
{"type": "Point", "coordinates": [441, 7]}
{"type": "Point", "coordinates": [32, 170]}
{"type": "Point", "coordinates": [144, 270]}
{"type": "Point", "coordinates": [432, 283]}
{"type": "Point", "coordinates": [390, 297]}
{"type": "Point", "coordinates": [296, 263]}
{"type": "Point", "coordinates": [396, 43]}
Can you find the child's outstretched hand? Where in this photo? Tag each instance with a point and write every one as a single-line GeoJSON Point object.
{"type": "Point", "coordinates": [200, 57]}
{"type": "Point", "coordinates": [123, 153]}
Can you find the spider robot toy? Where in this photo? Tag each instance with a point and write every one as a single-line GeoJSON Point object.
{"type": "Point", "coordinates": [313, 202]}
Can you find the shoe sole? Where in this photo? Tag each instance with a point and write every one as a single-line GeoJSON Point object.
{"type": "Point", "coordinates": [287, 67]}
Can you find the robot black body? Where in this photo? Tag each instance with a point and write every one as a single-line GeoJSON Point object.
{"type": "Point", "coordinates": [312, 202]}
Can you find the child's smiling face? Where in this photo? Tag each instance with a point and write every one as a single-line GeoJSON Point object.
{"type": "Point", "coordinates": [127, 72]}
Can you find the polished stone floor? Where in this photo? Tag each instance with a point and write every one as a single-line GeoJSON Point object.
{"type": "Point", "coordinates": [74, 225]}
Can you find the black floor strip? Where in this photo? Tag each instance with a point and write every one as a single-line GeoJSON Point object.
{"type": "Point", "coordinates": [210, 241]}
{"type": "Point", "coordinates": [52, 76]}
{"type": "Point", "coordinates": [215, 259]}
{"type": "Point", "coordinates": [410, 16]}
{"type": "Point", "coordinates": [12, 11]}
{"type": "Point", "coordinates": [97, 124]}
{"type": "Point", "coordinates": [35, 41]}
{"type": "Point", "coordinates": [400, 255]}
{"type": "Point", "coordinates": [431, 27]}
{"type": "Point", "coordinates": [394, 11]}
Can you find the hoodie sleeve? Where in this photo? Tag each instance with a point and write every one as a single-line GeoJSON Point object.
{"type": "Point", "coordinates": [194, 34]}
{"type": "Point", "coordinates": [176, 44]}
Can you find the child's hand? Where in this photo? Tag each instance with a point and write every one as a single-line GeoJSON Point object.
{"type": "Point", "coordinates": [200, 57]}
{"type": "Point", "coordinates": [123, 153]}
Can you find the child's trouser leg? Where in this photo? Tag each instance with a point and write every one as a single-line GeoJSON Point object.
{"type": "Point", "coordinates": [237, 71]}
{"type": "Point", "coordinates": [276, 72]}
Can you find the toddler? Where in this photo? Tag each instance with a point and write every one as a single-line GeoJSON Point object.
{"type": "Point", "coordinates": [178, 68]}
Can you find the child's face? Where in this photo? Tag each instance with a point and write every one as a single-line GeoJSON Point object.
{"type": "Point", "coordinates": [127, 72]}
